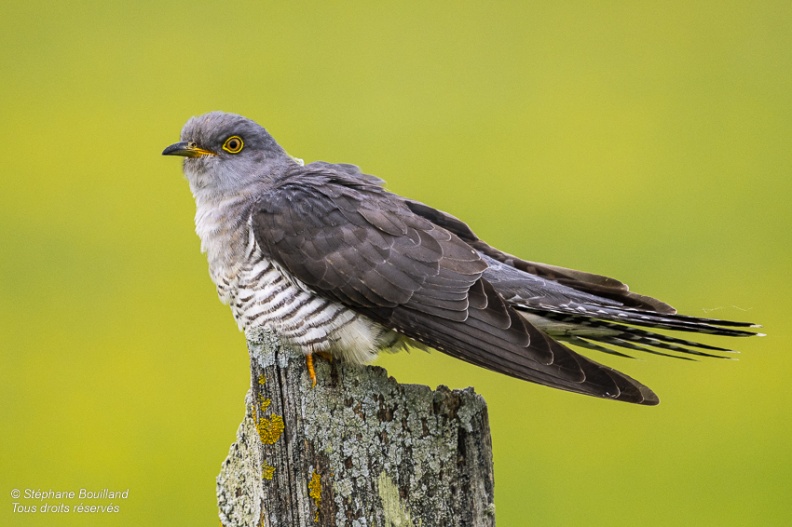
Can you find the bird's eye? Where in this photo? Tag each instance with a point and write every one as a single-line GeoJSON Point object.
{"type": "Point", "coordinates": [233, 145]}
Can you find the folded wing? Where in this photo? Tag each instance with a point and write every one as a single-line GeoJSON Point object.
{"type": "Point", "coordinates": [352, 242]}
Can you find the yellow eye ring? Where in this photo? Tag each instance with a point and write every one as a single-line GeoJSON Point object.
{"type": "Point", "coordinates": [234, 144]}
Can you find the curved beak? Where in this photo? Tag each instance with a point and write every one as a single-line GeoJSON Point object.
{"type": "Point", "coordinates": [187, 149]}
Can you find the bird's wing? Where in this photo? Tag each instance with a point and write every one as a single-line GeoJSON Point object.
{"type": "Point", "coordinates": [353, 242]}
{"type": "Point", "coordinates": [594, 284]}
{"type": "Point", "coordinates": [587, 309]}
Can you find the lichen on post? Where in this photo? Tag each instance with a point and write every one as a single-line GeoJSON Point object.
{"type": "Point", "coordinates": [358, 449]}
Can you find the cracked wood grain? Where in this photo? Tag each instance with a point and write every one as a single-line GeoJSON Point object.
{"type": "Point", "coordinates": [357, 450]}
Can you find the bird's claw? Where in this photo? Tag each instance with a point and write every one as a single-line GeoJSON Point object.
{"type": "Point", "coordinates": [311, 371]}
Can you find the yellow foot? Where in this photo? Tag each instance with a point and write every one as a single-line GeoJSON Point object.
{"type": "Point", "coordinates": [311, 372]}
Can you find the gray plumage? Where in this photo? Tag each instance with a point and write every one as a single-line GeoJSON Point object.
{"type": "Point", "coordinates": [335, 263]}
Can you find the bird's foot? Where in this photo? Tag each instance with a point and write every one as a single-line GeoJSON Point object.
{"type": "Point", "coordinates": [311, 372]}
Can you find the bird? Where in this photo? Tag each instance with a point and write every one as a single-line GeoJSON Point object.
{"type": "Point", "coordinates": [334, 263]}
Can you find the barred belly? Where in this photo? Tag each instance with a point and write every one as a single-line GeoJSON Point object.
{"type": "Point", "coordinates": [263, 295]}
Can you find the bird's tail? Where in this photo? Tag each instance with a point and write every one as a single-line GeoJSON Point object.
{"type": "Point", "coordinates": [604, 327]}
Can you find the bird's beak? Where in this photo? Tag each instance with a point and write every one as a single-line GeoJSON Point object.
{"type": "Point", "coordinates": [187, 149]}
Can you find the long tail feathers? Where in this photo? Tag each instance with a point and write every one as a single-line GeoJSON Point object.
{"type": "Point", "coordinates": [601, 328]}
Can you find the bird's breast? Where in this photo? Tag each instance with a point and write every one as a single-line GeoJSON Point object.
{"type": "Point", "coordinates": [262, 294]}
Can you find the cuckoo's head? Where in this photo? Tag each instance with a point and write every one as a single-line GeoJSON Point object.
{"type": "Point", "coordinates": [226, 153]}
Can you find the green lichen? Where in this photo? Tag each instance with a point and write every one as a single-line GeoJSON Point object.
{"type": "Point", "coordinates": [394, 509]}
{"type": "Point", "coordinates": [361, 414]}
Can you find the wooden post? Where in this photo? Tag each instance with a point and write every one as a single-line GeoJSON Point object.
{"type": "Point", "coordinates": [356, 450]}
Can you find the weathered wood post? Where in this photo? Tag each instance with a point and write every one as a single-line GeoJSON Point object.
{"type": "Point", "coordinates": [356, 450]}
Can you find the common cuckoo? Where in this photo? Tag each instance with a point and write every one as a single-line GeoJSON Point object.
{"type": "Point", "coordinates": [333, 262]}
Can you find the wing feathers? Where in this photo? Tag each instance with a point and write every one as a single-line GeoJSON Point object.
{"type": "Point", "coordinates": [423, 272]}
{"type": "Point", "coordinates": [579, 280]}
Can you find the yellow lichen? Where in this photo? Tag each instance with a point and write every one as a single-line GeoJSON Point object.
{"type": "Point", "coordinates": [270, 429]}
{"type": "Point", "coordinates": [267, 471]}
{"type": "Point", "coordinates": [315, 492]}
{"type": "Point", "coordinates": [261, 379]}
{"type": "Point", "coordinates": [264, 402]}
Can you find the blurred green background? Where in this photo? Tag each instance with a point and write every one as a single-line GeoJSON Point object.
{"type": "Point", "coordinates": [646, 141]}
